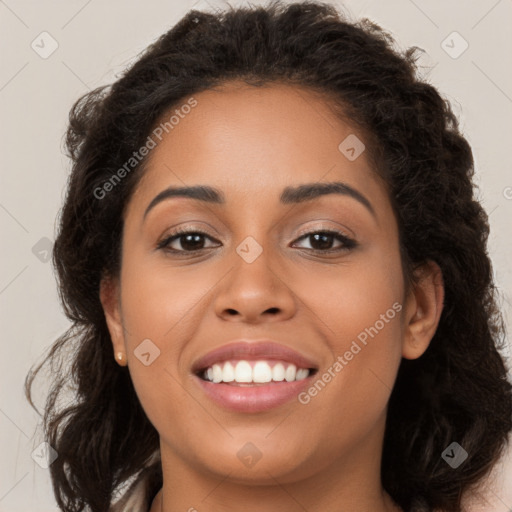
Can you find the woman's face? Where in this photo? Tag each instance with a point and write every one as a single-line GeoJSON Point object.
{"type": "Point", "coordinates": [253, 275]}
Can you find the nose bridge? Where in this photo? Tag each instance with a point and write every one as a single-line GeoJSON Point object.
{"type": "Point", "coordinates": [253, 232]}
{"type": "Point", "coordinates": [256, 261]}
{"type": "Point", "coordinates": [254, 286]}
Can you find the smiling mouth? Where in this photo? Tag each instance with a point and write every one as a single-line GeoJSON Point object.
{"type": "Point", "coordinates": [253, 373]}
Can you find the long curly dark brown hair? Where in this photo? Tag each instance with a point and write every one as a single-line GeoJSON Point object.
{"type": "Point", "coordinates": [457, 391]}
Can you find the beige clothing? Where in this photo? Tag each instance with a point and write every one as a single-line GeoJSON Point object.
{"type": "Point", "coordinates": [134, 500]}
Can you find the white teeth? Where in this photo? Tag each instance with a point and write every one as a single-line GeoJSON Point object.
{"type": "Point", "coordinates": [278, 372]}
{"type": "Point", "coordinates": [217, 373]}
{"type": "Point", "coordinates": [260, 373]}
{"type": "Point", "coordinates": [243, 372]}
{"type": "Point", "coordinates": [228, 374]}
{"type": "Point", "coordinates": [301, 374]}
{"type": "Point", "coordinates": [290, 373]}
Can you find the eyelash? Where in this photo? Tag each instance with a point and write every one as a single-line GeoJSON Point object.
{"type": "Point", "coordinates": [348, 243]}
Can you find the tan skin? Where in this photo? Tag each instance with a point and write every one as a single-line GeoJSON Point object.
{"type": "Point", "coordinates": [251, 143]}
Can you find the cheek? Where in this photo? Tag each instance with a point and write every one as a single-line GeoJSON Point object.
{"type": "Point", "coordinates": [159, 309]}
{"type": "Point", "coordinates": [163, 302]}
{"type": "Point", "coordinates": [352, 296]}
{"type": "Point", "coordinates": [157, 297]}
{"type": "Point", "coordinates": [359, 305]}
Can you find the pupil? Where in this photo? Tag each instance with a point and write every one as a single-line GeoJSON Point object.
{"type": "Point", "coordinates": [325, 245]}
{"type": "Point", "coordinates": [194, 244]}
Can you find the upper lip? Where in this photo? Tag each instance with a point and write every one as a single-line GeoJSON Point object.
{"type": "Point", "coordinates": [246, 349]}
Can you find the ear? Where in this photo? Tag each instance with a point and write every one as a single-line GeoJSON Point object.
{"type": "Point", "coordinates": [423, 309]}
{"type": "Point", "coordinates": [109, 297]}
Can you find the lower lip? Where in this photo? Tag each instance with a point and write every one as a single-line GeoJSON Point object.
{"type": "Point", "coordinates": [253, 398]}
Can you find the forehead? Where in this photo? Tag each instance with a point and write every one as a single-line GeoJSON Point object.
{"type": "Point", "coordinates": [253, 142]}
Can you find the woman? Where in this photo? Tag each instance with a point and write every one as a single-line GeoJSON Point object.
{"type": "Point", "coordinates": [276, 271]}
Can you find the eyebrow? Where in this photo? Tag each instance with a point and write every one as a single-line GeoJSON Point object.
{"type": "Point", "coordinates": [289, 195]}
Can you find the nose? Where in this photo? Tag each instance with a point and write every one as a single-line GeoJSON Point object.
{"type": "Point", "coordinates": [256, 292]}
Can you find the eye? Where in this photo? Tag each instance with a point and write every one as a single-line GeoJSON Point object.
{"type": "Point", "coordinates": [190, 241]}
{"type": "Point", "coordinates": [323, 241]}
{"type": "Point", "coordinates": [193, 241]}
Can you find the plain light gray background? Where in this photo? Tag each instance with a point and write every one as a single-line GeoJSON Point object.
{"type": "Point", "coordinates": [96, 41]}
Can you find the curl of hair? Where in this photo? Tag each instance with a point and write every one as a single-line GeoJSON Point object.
{"type": "Point", "coordinates": [457, 391]}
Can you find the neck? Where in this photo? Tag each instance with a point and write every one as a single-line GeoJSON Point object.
{"type": "Point", "coordinates": [385, 504]}
{"type": "Point", "coordinates": [351, 482]}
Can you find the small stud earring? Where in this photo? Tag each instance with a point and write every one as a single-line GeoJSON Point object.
{"type": "Point", "coordinates": [120, 357]}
